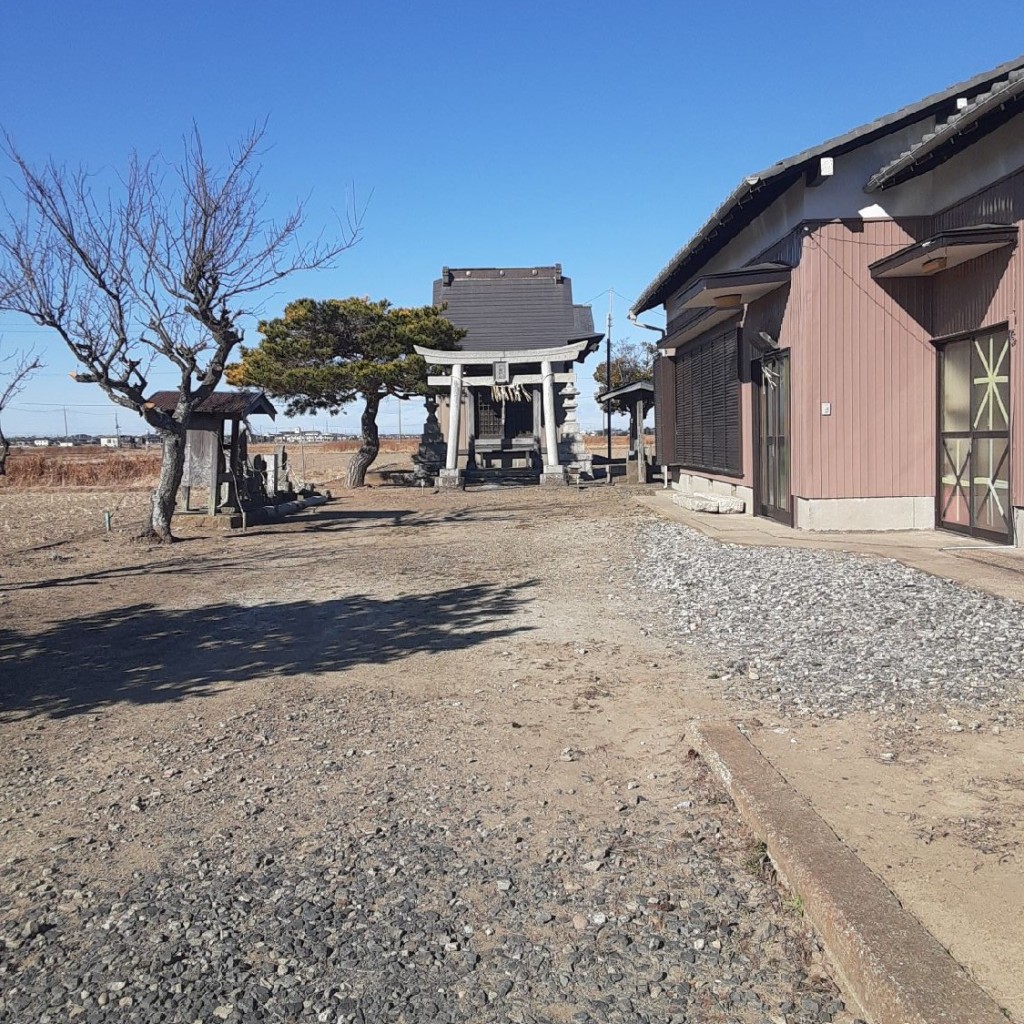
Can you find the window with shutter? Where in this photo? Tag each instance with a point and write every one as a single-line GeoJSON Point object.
{"type": "Point", "coordinates": [707, 405]}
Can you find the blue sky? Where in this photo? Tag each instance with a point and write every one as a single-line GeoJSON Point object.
{"type": "Point", "coordinates": [597, 135]}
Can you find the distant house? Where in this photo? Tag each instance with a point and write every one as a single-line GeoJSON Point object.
{"type": "Point", "coordinates": [839, 348]}
{"type": "Point", "coordinates": [111, 442]}
{"type": "Point", "coordinates": [510, 389]}
{"type": "Point", "coordinates": [304, 437]}
{"type": "Point", "coordinates": [41, 442]}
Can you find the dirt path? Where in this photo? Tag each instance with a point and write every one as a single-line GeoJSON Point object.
{"type": "Point", "coordinates": [425, 723]}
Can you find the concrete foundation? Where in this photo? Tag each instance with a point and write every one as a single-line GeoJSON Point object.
{"type": "Point", "coordinates": [865, 513]}
{"type": "Point", "coordinates": [719, 504]}
{"type": "Point", "coordinates": [450, 478]}
{"type": "Point", "coordinates": [553, 476]}
{"type": "Point", "coordinates": [894, 969]}
{"type": "Point", "coordinates": [706, 486]}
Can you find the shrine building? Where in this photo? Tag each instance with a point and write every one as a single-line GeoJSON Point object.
{"type": "Point", "coordinates": [508, 396]}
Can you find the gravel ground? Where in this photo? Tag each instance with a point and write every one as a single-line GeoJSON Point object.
{"type": "Point", "coordinates": [824, 633]}
{"type": "Point", "coordinates": [288, 838]}
{"type": "Point", "coordinates": [430, 893]}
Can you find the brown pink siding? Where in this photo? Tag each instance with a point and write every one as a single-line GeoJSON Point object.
{"type": "Point", "coordinates": [864, 347]}
{"type": "Point", "coordinates": [986, 292]}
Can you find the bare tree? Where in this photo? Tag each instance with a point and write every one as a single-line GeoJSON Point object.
{"type": "Point", "coordinates": [15, 370]}
{"type": "Point", "coordinates": [163, 272]}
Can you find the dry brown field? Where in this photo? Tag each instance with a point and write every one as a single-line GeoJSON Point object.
{"type": "Point", "coordinates": [83, 466]}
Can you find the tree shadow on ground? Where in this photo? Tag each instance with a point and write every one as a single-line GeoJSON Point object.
{"type": "Point", "coordinates": [144, 654]}
{"type": "Point", "coordinates": [294, 528]}
{"type": "Point", "coordinates": [168, 567]}
{"type": "Point", "coordinates": [358, 519]}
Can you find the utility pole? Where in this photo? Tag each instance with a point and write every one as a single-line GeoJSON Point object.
{"type": "Point", "coordinates": [608, 377]}
{"type": "Point", "coordinates": [398, 399]}
{"type": "Point", "coordinates": [65, 422]}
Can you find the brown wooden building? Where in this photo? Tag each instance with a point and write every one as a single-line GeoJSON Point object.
{"type": "Point", "coordinates": [841, 334]}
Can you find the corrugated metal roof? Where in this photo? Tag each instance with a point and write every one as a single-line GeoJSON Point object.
{"type": "Point", "coordinates": [512, 308]}
{"type": "Point", "coordinates": [231, 405]}
{"type": "Point", "coordinates": [757, 191]}
{"type": "Point", "coordinates": [987, 103]}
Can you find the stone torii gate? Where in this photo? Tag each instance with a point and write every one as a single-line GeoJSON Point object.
{"type": "Point", "coordinates": [488, 369]}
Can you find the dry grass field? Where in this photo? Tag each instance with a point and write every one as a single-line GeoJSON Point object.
{"type": "Point", "coordinates": [93, 466]}
{"type": "Point", "coordinates": [86, 466]}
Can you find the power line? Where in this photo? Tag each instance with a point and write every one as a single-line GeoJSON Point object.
{"type": "Point", "coordinates": [860, 287]}
{"type": "Point", "coordinates": [68, 405]}
{"type": "Point", "coordinates": [49, 412]}
{"type": "Point", "coordinates": [630, 302]}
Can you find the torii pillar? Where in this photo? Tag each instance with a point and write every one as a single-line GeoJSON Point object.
{"type": "Point", "coordinates": [554, 473]}
{"type": "Point", "coordinates": [451, 475]}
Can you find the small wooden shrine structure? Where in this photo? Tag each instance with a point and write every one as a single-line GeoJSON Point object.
{"type": "Point", "coordinates": [637, 398]}
{"type": "Point", "coordinates": [216, 460]}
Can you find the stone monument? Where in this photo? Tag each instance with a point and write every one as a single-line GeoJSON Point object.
{"type": "Point", "coordinates": [430, 456]}
{"type": "Point", "coordinates": [572, 449]}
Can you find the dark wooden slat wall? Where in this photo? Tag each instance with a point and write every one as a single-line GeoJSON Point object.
{"type": "Point", "coordinates": [707, 404]}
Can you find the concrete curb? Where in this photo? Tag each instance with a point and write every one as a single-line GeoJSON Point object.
{"type": "Point", "coordinates": [891, 966]}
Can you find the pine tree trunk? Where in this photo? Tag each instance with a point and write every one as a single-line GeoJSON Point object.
{"type": "Point", "coordinates": [172, 465]}
{"type": "Point", "coordinates": [363, 459]}
{"type": "Point", "coordinates": [5, 450]}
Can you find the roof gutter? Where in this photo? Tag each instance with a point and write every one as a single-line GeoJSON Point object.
{"type": "Point", "coordinates": [631, 317]}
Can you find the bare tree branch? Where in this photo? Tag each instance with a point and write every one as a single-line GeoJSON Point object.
{"type": "Point", "coordinates": [162, 270]}
{"type": "Point", "coordinates": [15, 370]}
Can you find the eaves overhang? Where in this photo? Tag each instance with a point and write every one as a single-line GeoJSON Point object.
{"type": "Point", "coordinates": [953, 136]}
{"type": "Point", "coordinates": [226, 404]}
{"type": "Point", "coordinates": [732, 289]}
{"type": "Point", "coordinates": [944, 251]}
{"type": "Point", "coordinates": [637, 389]}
